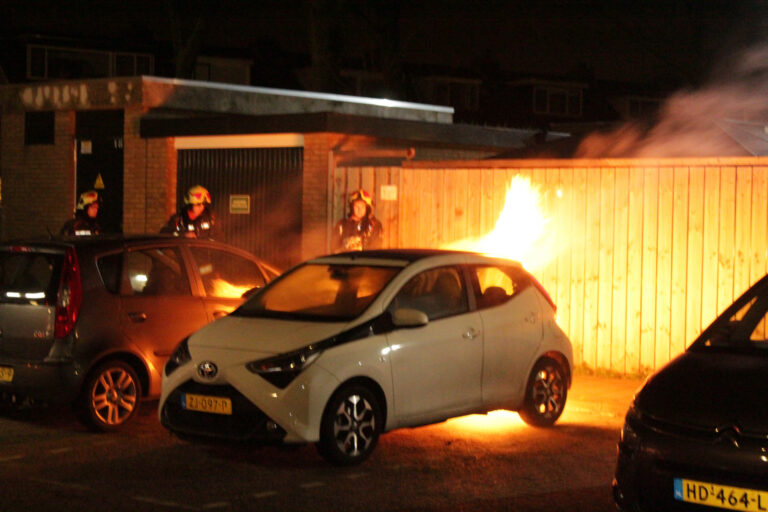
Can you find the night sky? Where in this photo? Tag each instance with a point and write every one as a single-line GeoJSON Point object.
{"type": "Point", "coordinates": [679, 43]}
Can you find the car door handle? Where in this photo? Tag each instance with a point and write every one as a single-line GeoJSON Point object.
{"type": "Point", "coordinates": [137, 316]}
{"type": "Point", "coordinates": [470, 334]}
{"type": "Point", "coordinates": [220, 314]}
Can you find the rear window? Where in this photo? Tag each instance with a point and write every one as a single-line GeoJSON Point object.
{"type": "Point", "coordinates": [29, 276]}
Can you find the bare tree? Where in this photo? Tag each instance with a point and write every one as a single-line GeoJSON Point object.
{"type": "Point", "coordinates": [187, 22]}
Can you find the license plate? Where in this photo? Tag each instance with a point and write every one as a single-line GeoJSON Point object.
{"type": "Point", "coordinates": [205, 403]}
{"type": "Point", "coordinates": [720, 496]}
{"type": "Point", "coordinates": [6, 374]}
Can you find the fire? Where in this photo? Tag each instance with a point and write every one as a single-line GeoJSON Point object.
{"type": "Point", "coordinates": [495, 421]}
{"type": "Point", "coordinates": [222, 288]}
{"type": "Point", "coordinates": [518, 230]}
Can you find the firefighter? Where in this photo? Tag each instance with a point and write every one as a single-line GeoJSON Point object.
{"type": "Point", "coordinates": [360, 230]}
{"type": "Point", "coordinates": [86, 220]}
{"type": "Point", "coordinates": [195, 220]}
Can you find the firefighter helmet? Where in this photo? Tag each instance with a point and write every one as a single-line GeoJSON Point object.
{"type": "Point", "coordinates": [197, 195]}
{"type": "Point", "coordinates": [87, 199]}
{"type": "Point", "coordinates": [361, 195]}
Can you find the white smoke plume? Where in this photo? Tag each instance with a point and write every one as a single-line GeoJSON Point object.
{"type": "Point", "coordinates": [695, 123]}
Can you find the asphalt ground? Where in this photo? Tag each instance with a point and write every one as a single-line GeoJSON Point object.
{"type": "Point", "coordinates": [601, 395]}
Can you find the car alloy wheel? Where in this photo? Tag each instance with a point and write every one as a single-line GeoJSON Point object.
{"type": "Point", "coordinates": [350, 427]}
{"type": "Point", "coordinates": [111, 396]}
{"type": "Point", "coordinates": [545, 394]}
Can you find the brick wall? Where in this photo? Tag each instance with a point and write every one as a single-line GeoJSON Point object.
{"type": "Point", "coordinates": [146, 177]}
{"type": "Point", "coordinates": [317, 148]}
{"type": "Point", "coordinates": [38, 180]}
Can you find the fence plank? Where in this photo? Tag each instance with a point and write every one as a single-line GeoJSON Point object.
{"type": "Point", "coordinates": [383, 208]}
{"type": "Point", "coordinates": [562, 241]}
{"type": "Point", "coordinates": [742, 230]}
{"type": "Point", "coordinates": [759, 237]}
{"type": "Point", "coordinates": [394, 223]}
{"type": "Point", "coordinates": [664, 266]}
{"type": "Point", "coordinates": [650, 237]}
{"type": "Point", "coordinates": [634, 269]}
{"type": "Point", "coordinates": [680, 213]}
{"type": "Point", "coordinates": [579, 232]}
{"type": "Point", "coordinates": [619, 301]}
{"type": "Point", "coordinates": [592, 267]}
{"type": "Point", "coordinates": [605, 266]}
{"type": "Point", "coordinates": [696, 208]}
{"type": "Point", "coordinates": [725, 274]}
{"type": "Point", "coordinates": [710, 244]}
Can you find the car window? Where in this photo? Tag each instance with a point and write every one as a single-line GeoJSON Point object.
{"type": "Point", "coordinates": [153, 272]}
{"type": "Point", "coordinates": [438, 292]}
{"type": "Point", "coordinates": [745, 325]}
{"type": "Point", "coordinates": [494, 285]}
{"type": "Point", "coordinates": [110, 267]}
{"type": "Point", "coordinates": [319, 291]}
{"type": "Point", "coordinates": [226, 274]}
{"type": "Point", "coordinates": [29, 276]}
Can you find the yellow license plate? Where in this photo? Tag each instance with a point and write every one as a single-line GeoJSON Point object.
{"type": "Point", "coordinates": [720, 496]}
{"type": "Point", "coordinates": [6, 374]}
{"type": "Point", "coordinates": [205, 403]}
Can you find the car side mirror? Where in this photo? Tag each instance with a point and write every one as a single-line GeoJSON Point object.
{"type": "Point", "coordinates": [406, 317]}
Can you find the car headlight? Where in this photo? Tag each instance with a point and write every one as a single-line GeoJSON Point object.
{"type": "Point", "coordinates": [629, 442]}
{"type": "Point", "coordinates": [281, 370]}
{"type": "Point", "coordinates": [179, 357]}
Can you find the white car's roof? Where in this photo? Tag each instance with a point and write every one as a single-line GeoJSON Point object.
{"type": "Point", "coordinates": [403, 257]}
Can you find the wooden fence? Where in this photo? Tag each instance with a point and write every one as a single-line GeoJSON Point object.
{"type": "Point", "coordinates": [643, 254]}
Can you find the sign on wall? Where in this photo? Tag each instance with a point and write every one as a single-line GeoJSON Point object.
{"type": "Point", "coordinates": [239, 204]}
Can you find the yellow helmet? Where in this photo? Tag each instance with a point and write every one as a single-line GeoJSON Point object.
{"type": "Point", "coordinates": [197, 195]}
{"type": "Point", "coordinates": [361, 195]}
{"type": "Point", "coordinates": [87, 199]}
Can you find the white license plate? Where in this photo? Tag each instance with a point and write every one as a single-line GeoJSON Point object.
{"type": "Point", "coordinates": [720, 496]}
{"type": "Point", "coordinates": [205, 403]}
{"type": "Point", "coordinates": [6, 374]}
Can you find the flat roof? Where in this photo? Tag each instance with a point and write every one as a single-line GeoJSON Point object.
{"type": "Point", "coordinates": [288, 93]}
{"type": "Point", "coordinates": [169, 123]}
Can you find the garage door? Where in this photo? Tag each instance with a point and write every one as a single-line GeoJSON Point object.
{"type": "Point", "coordinates": [256, 194]}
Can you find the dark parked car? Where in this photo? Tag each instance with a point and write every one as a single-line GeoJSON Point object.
{"type": "Point", "coordinates": [696, 435]}
{"type": "Point", "coordinates": [92, 320]}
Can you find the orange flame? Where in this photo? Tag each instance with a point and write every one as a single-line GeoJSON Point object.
{"type": "Point", "coordinates": [222, 288]}
{"type": "Point", "coordinates": [495, 421]}
{"type": "Point", "coordinates": [519, 228]}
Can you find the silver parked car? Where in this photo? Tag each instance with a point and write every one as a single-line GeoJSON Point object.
{"type": "Point", "coordinates": [92, 320]}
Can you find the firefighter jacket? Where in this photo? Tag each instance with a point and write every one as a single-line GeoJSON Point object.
{"type": "Point", "coordinates": [181, 225]}
{"type": "Point", "coordinates": [81, 225]}
{"type": "Point", "coordinates": [358, 235]}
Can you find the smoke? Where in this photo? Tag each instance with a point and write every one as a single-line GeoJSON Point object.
{"type": "Point", "coordinates": [699, 123]}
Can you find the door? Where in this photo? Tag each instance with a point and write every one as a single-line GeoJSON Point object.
{"type": "Point", "coordinates": [158, 309]}
{"type": "Point", "coordinates": [99, 158]}
{"type": "Point", "coordinates": [512, 327]}
{"type": "Point", "coordinates": [436, 369]}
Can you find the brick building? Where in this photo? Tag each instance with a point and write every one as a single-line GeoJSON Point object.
{"type": "Point", "coordinates": [269, 156]}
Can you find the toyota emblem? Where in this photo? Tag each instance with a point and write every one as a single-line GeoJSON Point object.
{"type": "Point", "coordinates": [207, 370]}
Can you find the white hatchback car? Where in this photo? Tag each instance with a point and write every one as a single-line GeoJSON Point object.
{"type": "Point", "coordinates": [342, 348]}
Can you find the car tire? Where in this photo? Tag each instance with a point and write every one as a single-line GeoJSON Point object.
{"type": "Point", "coordinates": [110, 397]}
{"type": "Point", "coordinates": [545, 394]}
{"type": "Point", "coordinates": [350, 427]}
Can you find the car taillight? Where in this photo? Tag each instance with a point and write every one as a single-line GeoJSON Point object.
{"type": "Point", "coordinates": [70, 296]}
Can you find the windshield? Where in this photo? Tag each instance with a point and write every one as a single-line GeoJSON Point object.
{"type": "Point", "coordinates": [318, 291]}
{"type": "Point", "coordinates": [742, 326]}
